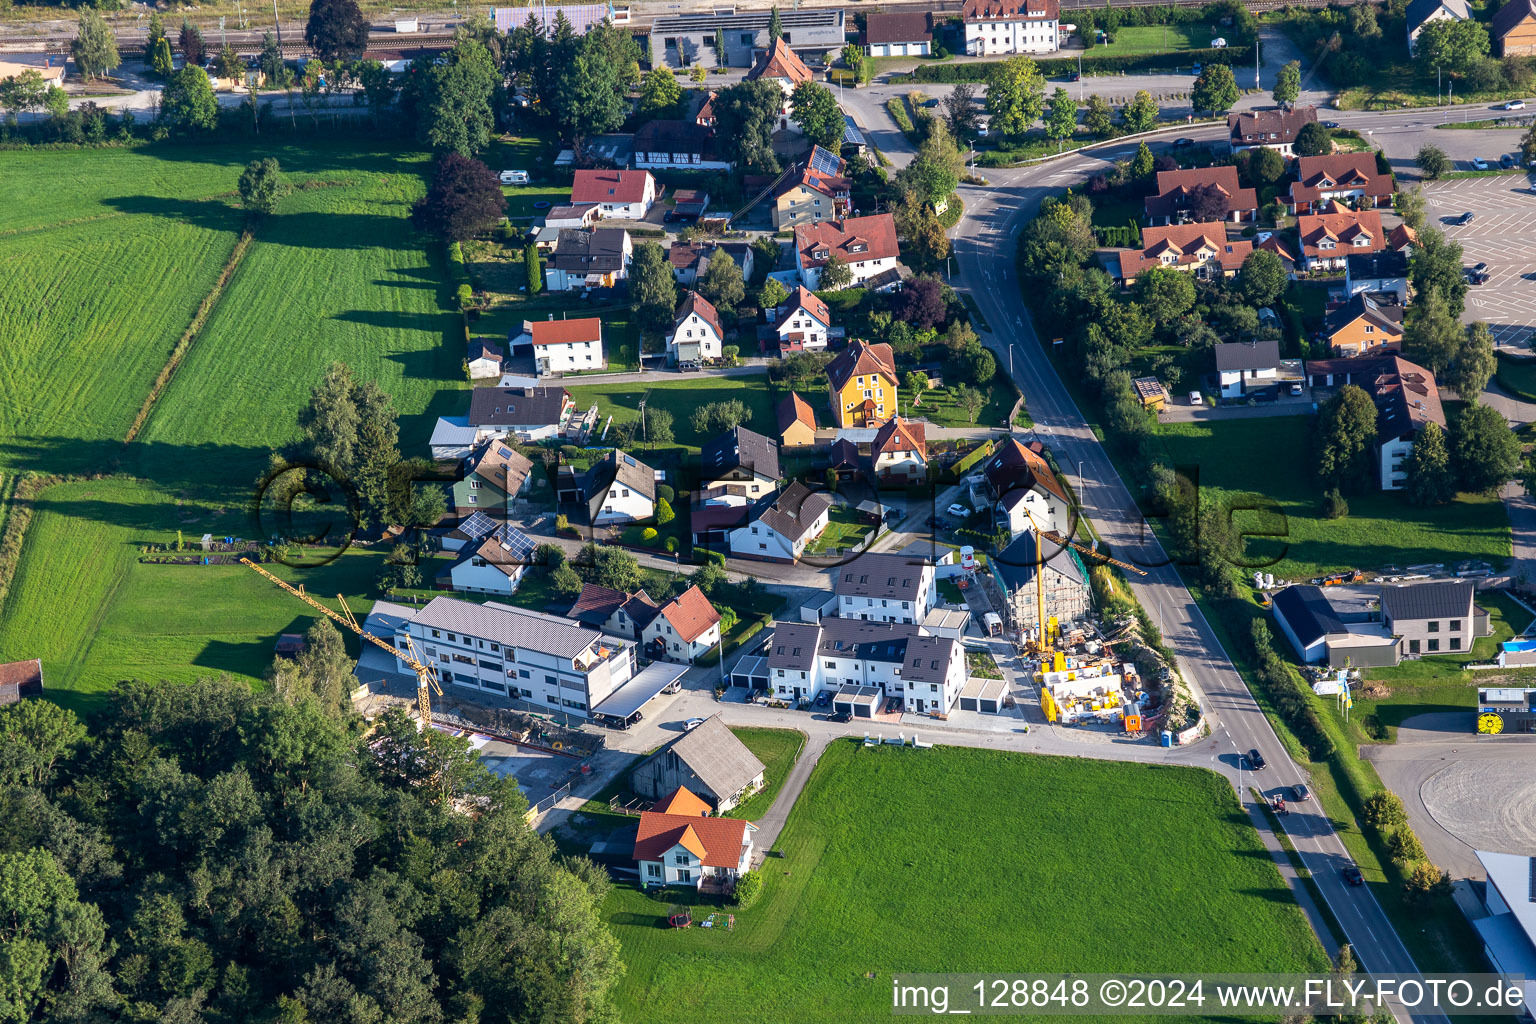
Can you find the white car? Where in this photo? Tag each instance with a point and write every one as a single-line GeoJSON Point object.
{"type": "Point", "coordinates": [1195, 399]}
{"type": "Point", "coordinates": [692, 724]}
{"type": "Point", "coordinates": [1218, 43]}
{"type": "Point", "coordinates": [1479, 164]}
{"type": "Point", "coordinates": [1515, 105]}
{"type": "Point", "coordinates": [981, 129]}
{"type": "Point", "coordinates": [959, 511]}
{"type": "Point", "coordinates": [514, 177]}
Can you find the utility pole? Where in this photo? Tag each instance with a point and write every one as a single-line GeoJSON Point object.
{"type": "Point", "coordinates": [1439, 88]}
{"type": "Point", "coordinates": [277, 25]}
{"type": "Point", "coordinates": [1256, 60]}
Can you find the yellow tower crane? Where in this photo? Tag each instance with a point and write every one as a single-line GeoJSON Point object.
{"type": "Point", "coordinates": [426, 675]}
{"type": "Point", "coordinates": [1040, 537]}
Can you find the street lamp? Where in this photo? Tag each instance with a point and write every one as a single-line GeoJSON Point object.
{"type": "Point", "coordinates": [1082, 482]}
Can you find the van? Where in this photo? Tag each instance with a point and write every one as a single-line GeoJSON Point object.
{"type": "Point", "coordinates": [514, 177]}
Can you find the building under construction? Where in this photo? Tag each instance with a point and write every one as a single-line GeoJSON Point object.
{"type": "Point", "coordinates": [1068, 596]}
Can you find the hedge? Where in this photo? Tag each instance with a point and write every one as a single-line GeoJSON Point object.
{"type": "Point", "coordinates": [981, 71]}
{"type": "Point", "coordinates": [898, 111]}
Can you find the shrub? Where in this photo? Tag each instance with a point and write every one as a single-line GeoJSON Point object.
{"type": "Point", "coordinates": [648, 535]}
{"type": "Point", "coordinates": [749, 888]}
{"type": "Point", "coordinates": [1404, 846]}
{"type": "Point", "coordinates": [465, 295]}
{"type": "Point", "coordinates": [664, 492]}
{"type": "Point", "coordinates": [672, 544]}
{"type": "Point", "coordinates": [1334, 505]}
{"type": "Point", "coordinates": [1384, 809]}
{"type": "Point", "coordinates": [714, 557]}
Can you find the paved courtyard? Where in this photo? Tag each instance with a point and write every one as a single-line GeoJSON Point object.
{"type": "Point", "coordinates": [1503, 235]}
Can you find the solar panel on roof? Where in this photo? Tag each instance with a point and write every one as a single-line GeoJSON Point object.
{"type": "Point", "coordinates": [477, 526]}
{"type": "Point", "coordinates": [504, 452]}
{"type": "Point", "coordinates": [825, 161]}
{"type": "Point", "coordinates": [514, 542]}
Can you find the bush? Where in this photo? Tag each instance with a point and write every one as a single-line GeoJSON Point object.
{"type": "Point", "coordinates": [981, 71]}
{"type": "Point", "coordinates": [749, 888]}
{"type": "Point", "coordinates": [465, 296]}
{"type": "Point", "coordinates": [648, 535]}
{"type": "Point", "coordinates": [664, 492]}
{"type": "Point", "coordinates": [1334, 505]}
{"type": "Point", "coordinates": [714, 557]}
{"type": "Point", "coordinates": [1384, 809]}
{"type": "Point", "coordinates": [672, 545]}
{"type": "Point", "coordinates": [1404, 846]}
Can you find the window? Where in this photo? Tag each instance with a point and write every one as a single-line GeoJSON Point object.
{"type": "Point", "coordinates": [1413, 647]}
{"type": "Point", "coordinates": [1455, 643]}
{"type": "Point", "coordinates": [551, 681]}
{"type": "Point", "coordinates": [1434, 645]}
{"type": "Point", "coordinates": [1434, 626]}
{"type": "Point", "coordinates": [684, 875]}
{"type": "Point", "coordinates": [680, 858]}
{"type": "Point", "coordinates": [670, 42]}
{"type": "Point", "coordinates": [1455, 625]}
{"type": "Point", "coordinates": [746, 39]}
{"type": "Point", "coordinates": [435, 633]}
{"type": "Point", "coordinates": [653, 870]}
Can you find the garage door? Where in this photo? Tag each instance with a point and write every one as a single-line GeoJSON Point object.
{"type": "Point", "coordinates": [967, 703]}
{"type": "Point", "coordinates": [989, 707]}
{"type": "Point", "coordinates": [863, 711]}
{"type": "Point", "coordinates": [842, 708]}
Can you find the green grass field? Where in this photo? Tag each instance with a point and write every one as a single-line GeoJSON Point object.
{"type": "Point", "coordinates": [1271, 456]}
{"type": "Point", "coordinates": [622, 402]}
{"type": "Point", "coordinates": [845, 529]}
{"type": "Point", "coordinates": [1131, 40]}
{"type": "Point", "coordinates": [778, 749]}
{"type": "Point", "coordinates": [899, 860]}
{"type": "Point", "coordinates": [940, 408]}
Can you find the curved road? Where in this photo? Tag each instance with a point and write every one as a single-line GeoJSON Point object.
{"type": "Point", "coordinates": [985, 245]}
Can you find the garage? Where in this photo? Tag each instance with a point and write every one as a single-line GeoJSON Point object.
{"type": "Point", "coordinates": [857, 701]}
{"type": "Point", "coordinates": [751, 673]}
{"type": "Point", "coordinates": [985, 696]}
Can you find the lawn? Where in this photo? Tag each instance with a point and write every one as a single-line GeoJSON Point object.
{"type": "Point", "coordinates": [681, 398]}
{"type": "Point", "coordinates": [778, 749]}
{"type": "Point", "coordinates": [899, 860]}
{"type": "Point", "coordinates": [846, 529]}
{"type": "Point", "coordinates": [1518, 377]}
{"type": "Point", "coordinates": [940, 408]}
{"type": "Point", "coordinates": [1132, 40]}
{"type": "Point", "coordinates": [1382, 529]}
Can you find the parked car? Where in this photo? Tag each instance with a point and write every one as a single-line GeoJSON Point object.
{"type": "Point", "coordinates": [1183, 143]}
{"type": "Point", "coordinates": [1464, 219]}
{"type": "Point", "coordinates": [1075, 76]}
{"type": "Point", "coordinates": [689, 365]}
{"type": "Point", "coordinates": [1479, 164]}
{"type": "Point", "coordinates": [1197, 69]}
{"type": "Point", "coordinates": [1255, 760]}
{"type": "Point", "coordinates": [1218, 43]}
{"type": "Point", "coordinates": [1195, 399]}
{"type": "Point", "coordinates": [938, 522]}
{"type": "Point", "coordinates": [1300, 791]}
{"type": "Point", "coordinates": [824, 698]}
{"type": "Point", "coordinates": [1507, 161]}
{"type": "Point", "coordinates": [692, 724]}
{"type": "Point", "coordinates": [959, 511]}
{"type": "Point", "coordinates": [1515, 105]}
{"type": "Point", "coordinates": [1353, 876]}
{"type": "Point", "coordinates": [1296, 387]}
{"type": "Point", "coordinates": [981, 129]}
{"type": "Point", "coordinates": [1476, 275]}
{"type": "Point", "coordinates": [514, 177]}
{"type": "Point", "coordinates": [1330, 125]}
{"type": "Point", "coordinates": [841, 716]}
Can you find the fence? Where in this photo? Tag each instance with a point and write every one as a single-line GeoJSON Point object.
{"type": "Point", "coordinates": [547, 804]}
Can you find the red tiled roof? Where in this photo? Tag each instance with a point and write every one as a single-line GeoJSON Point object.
{"type": "Point", "coordinates": [794, 409]}
{"type": "Point", "coordinates": [1173, 188]}
{"type": "Point", "coordinates": [1338, 172]}
{"type": "Point", "coordinates": [876, 233]}
{"type": "Point", "coordinates": [1274, 245]}
{"type": "Point", "coordinates": [780, 62]}
{"type": "Point", "coordinates": [20, 679]}
{"type": "Point", "coordinates": [1186, 241]}
{"type": "Point", "coordinates": [682, 801]}
{"type": "Point", "coordinates": [899, 435]}
{"type": "Point", "coordinates": [1402, 236]}
{"type": "Point", "coordinates": [805, 298]}
{"type": "Point", "coordinates": [1343, 227]}
{"type": "Point", "coordinates": [565, 332]}
{"type": "Point", "coordinates": [1013, 466]}
{"type": "Point", "coordinates": [609, 186]}
{"type": "Point", "coordinates": [690, 614]}
{"type": "Point", "coordinates": [828, 185]}
{"type": "Point", "coordinates": [1010, 10]}
{"type": "Point", "coordinates": [717, 842]}
{"type": "Point", "coordinates": [693, 302]}
{"type": "Point", "coordinates": [860, 359]}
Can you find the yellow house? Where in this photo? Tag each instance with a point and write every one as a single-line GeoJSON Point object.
{"type": "Point", "coordinates": [797, 422]}
{"type": "Point", "coordinates": [861, 385]}
{"type": "Point", "coordinates": [818, 192]}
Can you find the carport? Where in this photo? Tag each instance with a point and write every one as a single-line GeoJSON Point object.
{"type": "Point", "coordinates": [751, 673]}
{"type": "Point", "coordinates": [858, 701]}
{"type": "Point", "coordinates": [622, 706]}
{"type": "Point", "coordinates": [983, 695]}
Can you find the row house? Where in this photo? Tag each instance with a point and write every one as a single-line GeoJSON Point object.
{"type": "Point", "coordinates": [895, 660]}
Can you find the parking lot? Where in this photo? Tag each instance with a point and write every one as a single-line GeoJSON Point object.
{"type": "Point", "coordinates": [1503, 235]}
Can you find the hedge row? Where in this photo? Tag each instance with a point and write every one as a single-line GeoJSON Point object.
{"type": "Point", "coordinates": [981, 71]}
{"type": "Point", "coordinates": [898, 111]}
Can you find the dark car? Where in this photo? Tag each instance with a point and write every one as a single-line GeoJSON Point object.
{"type": "Point", "coordinates": [1330, 125]}
{"type": "Point", "coordinates": [1464, 219]}
{"type": "Point", "coordinates": [841, 716]}
{"type": "Point", "coordinates": [1075, 76]}
{"type": "Point", "coordinates": [1183, 143]}
{"type": "Point", "coordinates": [1353, 876]}
{"type": "Point", "coordinates": [938, 522]}
{"type": "Point", "coordinates": [1255, 760]}
{"type": "Point", "coordinates": [1507, 161]}
{"type": "Point", "coordinates": [1299, 791]}
{"type": "Point", "coordinates": [1475, 275]}
{"type": "Point", "coordinates": [823, 698]}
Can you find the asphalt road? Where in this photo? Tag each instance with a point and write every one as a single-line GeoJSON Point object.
{"type": "Point", "coordinates": [984, 242]}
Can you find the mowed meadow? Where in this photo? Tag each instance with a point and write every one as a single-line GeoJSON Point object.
{"type": "Point", "coordinates": [107, 257]}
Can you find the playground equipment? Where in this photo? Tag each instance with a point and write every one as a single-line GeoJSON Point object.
{"type": "Point", "coordinates": [680, 919]}
{"type": "Point", "coordinates": [719, 920]}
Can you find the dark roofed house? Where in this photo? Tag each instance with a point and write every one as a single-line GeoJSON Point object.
{"type": "Point", "coordinates": [898, 35]}
{"type": "Point", "coordinates": [739, 466]}
{"type": "Point", "coordinates": [779, 529]}
{"type": "Point", "coordinates": [708, 761]}
{"type": "Point", "coordinates": [1368, 324]}
{"type": "Point", "coordinates": [1384, 271]}
{"type": "Point", "coordinates": [20, 679]}
{"type": "Point", "coordinates": [1406, 398]}
{"type": "Point", "coordinates": [671, 145]}
{"type": "Point", "coordinates": [620, 489]}
{"type": "Point", "coordinates": [1422, 12]}
{"type": "Point", "coordinates": [613, 611]}
{"type": "Point", "coordinates": [1513, 28]}
{"type": "Point", "coordinates": [1245, 366]}
{"type": "Point", "coordinates": [1067, 594]}
{"type": "Point", "coordinates": [1181, 193]}
{"type": "Point", "coordinates": [1433, 618]}
{"type": "Point", "coordinates": [1307, 620]}
{"type": "Point", "coordinates": [530, 414]}
{"type": "Point", "coordinates": [598, 258]}
{"type": "Point", "coordinates": [1270, 128]}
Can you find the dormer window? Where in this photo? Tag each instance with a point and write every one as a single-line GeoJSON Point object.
{"type": "Point", "coordinates": [857, 247]}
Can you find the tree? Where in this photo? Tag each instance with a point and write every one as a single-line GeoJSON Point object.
{"type": "Point", "coordinates": [1098, 118]}
{"type": "Point", "coordinates": [1432, 161]}
{"type": "Point", "coordinates": [456, 108]}
{"type": "Point", "coordinates": [775, 27]}
{"type": "Point", "coordinates": [1166, 294]}
{"type": "Point", "coordinates": [153, 33]}
{"type": "Point", "coordinates": [564, 580]}
{"type": "Point", "coordinates": [1314, 140]}
{"type": "Point", "coordinates": [916, 382]}
{"type": "Point", "coordinates": [964, 117]}
{"type": "Point", "coordinates": [1426, 883]}
{"type": "Point", "coordinates": [533, 262]}
{"type": "Point", "coordinates": [934, 172]}
{"type": "Point", "coordinates": [652, 289]}
{"type": "Point", "coordinates": [1431, 336]}
{"type": "Point", "coordinates": [1262, 279]}
{"type": "Point", "coordinates": [161, 62]}
{"type": "Point", "coordinates": [969, 399]}
{"type": "Point", "coordinates": [816, 111]}
{"type": "Point", "coordinates": [35, 735]}
{"type": "Point", "coordinates": [1015, 96]}
{"type": "Point", "coordinates": [190, 43]}
{"type": "Point", "coordinates": [336, 29]}
{"type": "Point", "coordinates": [26, 91]}
{"type": "Point", "coordinates": [1207, 203]}
{"type": "Point", "coordinates": [1436, 265]}
{"type": "Point", "coordinates": [612, 567]}
{"type": "Point", "coordinates": [1062, 122]}
{"type": "Point", "coordinates": [1141, 163]}
{"type": "Point", "coordinates": [187, 104]}
{"type": "Point", "coordinates": [48, 936]}
{"type": "Point", "coordinates": [773, 294]}
{"type": "Point", "coordinates": [1474, 363]}
{"type": "Point", "coordinates": [920, 302]}
{"type": "Point", "coordinates": [1215, 90]}
{"type": "Point", "coordinates": [1265, 166]}
{"type": "Point", "coordinates": [464, 199]}
{"type": "Point", "coordinates": [261, 186]}
{"type": "Point", "coordinates": [836, 275]}
{"type": "Point", "coordinates": [722, 283]}
{"type": "Point", "coordinates": [746, 115]}
{"type": "Point", "coordinates": [94, 46]}
{"type": "Point", "coordinates": [658, 430]}
{"type": "Point", "coordinates": [1431, 481]}
{"type": "Point", "coordinates": [228, 65]}
{"type": "Point", "coordinates": [271, 63]}
{"type": "Point", "coordinates": [1288, 83]}
{"type": "Point", "coordinates": [1484, 451]}
{"type": "Point", "coordinates": [1410, 206]}
{"type": "Point", "coordinates": [1141, 114]}
{"type": "Point", "coordinates": [1344, 434]}
{"type": "Point", "coordinates": [660, 93]}
{"type": "Point", "coordinates": [1450, 45]}
{"type": "Point", "coordinates": [1384, 809]}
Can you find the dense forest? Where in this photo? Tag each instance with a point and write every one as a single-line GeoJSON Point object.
{"type": "Point", "coordinates": [216, 853]}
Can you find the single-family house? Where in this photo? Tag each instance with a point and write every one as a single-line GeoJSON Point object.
{"type": "Point", "coordinates": [899, 453]}
{"type": "Point", "coordinates": [580, 216]}
{"type": "Point", "coordinates": [861, 385]}
{"type": "Point", "coordinates": [690, 259]}
{"type": "Point", "coordinates": [628, 195]}
{"type": "Point", "coordinates": [1202, 249]}
{"type": "Point", "coordinates": [1367, 324]}
{"type": "Point", "coordinates": [677, 145]}
{"type": "Point", "coordinates": [20, 679]}
{"type": "Point", "coordinates": [865, 245]}
{"type": "Point", "coordinates": [804, 323]}
{"type": "Point", "coordinates": [484, 359]}
{"type": "Point", "coordinates": [528, 414]}
{"type": "Point", "coordinates": [886, 587]}
{"type": "Point", "coordinates": [739, 467]}
{"type": "Point", "coordinates": [817, 191]}
{"type": "Point", "coordinates": [1195, 194]}
{"type": "Point", "coordinates": [779, 65]}
{"type": "Point", "coordinates": [682, 845]}
{"type": "Point", "coordinates": [1513, 29]}
{"type": "Point", "coordinates": [1244, 366]}
{"type": "Point", "coordinates": [1377, 272]}
{"type": "Point", "coordinates": [683, 40]}
{"type": "Point", "coordinates": [561, 346]}
{"type": "Point", "coordinates": [613, 611]}
{"type": "Point", "coordinates": [1268, 128]}
{"type": "Point", "coordinates": [494, 475]}
{"type": "Point", "coordinates": [1025, 489]}
{"type": "Point", "coordinates": [708, 761]}
{"type": "Point", "coordinates": [779, 528]}
{"type": "Point", "coordinates": [1402, 239]}
{"type": "Point", "coordinates": [865, 663]}
{"type": "Point", "coordinates": [696, 331]}
{"type": "Point", "coordinates": [683, 628]}
{"type": "Point", "coordinates": [797, 422]}
{"type": "Point", "coordinates": [1271, 241]}
{"type": "Point", "coordinates": [995, 27]}
{"type": "Point", "coordinates": [1339, 177]}
{"type": "Point", "coordinates": [493, 565]}
{"type": "Point", "coordinates": [1422, 12]}
{"type": "Point", "coordinates": [52, 74]}
{"type": "Point", "coordinates": [598, 258]}
{"type": "Point", "coordinates": [1406, 398]}
{"type": "Point", "coordinates": [1328, 238]}
{"type": "Point", "coordinates": [1433, 618]}
{"type": "Point", "coordinates": [1340, 626]}
{"type": "Point", "coordinates": [620, 489]}
{"type": "Point", "coordinates": [1068, 595]}
{"type": "Point", "coordinates": [898, 34]}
